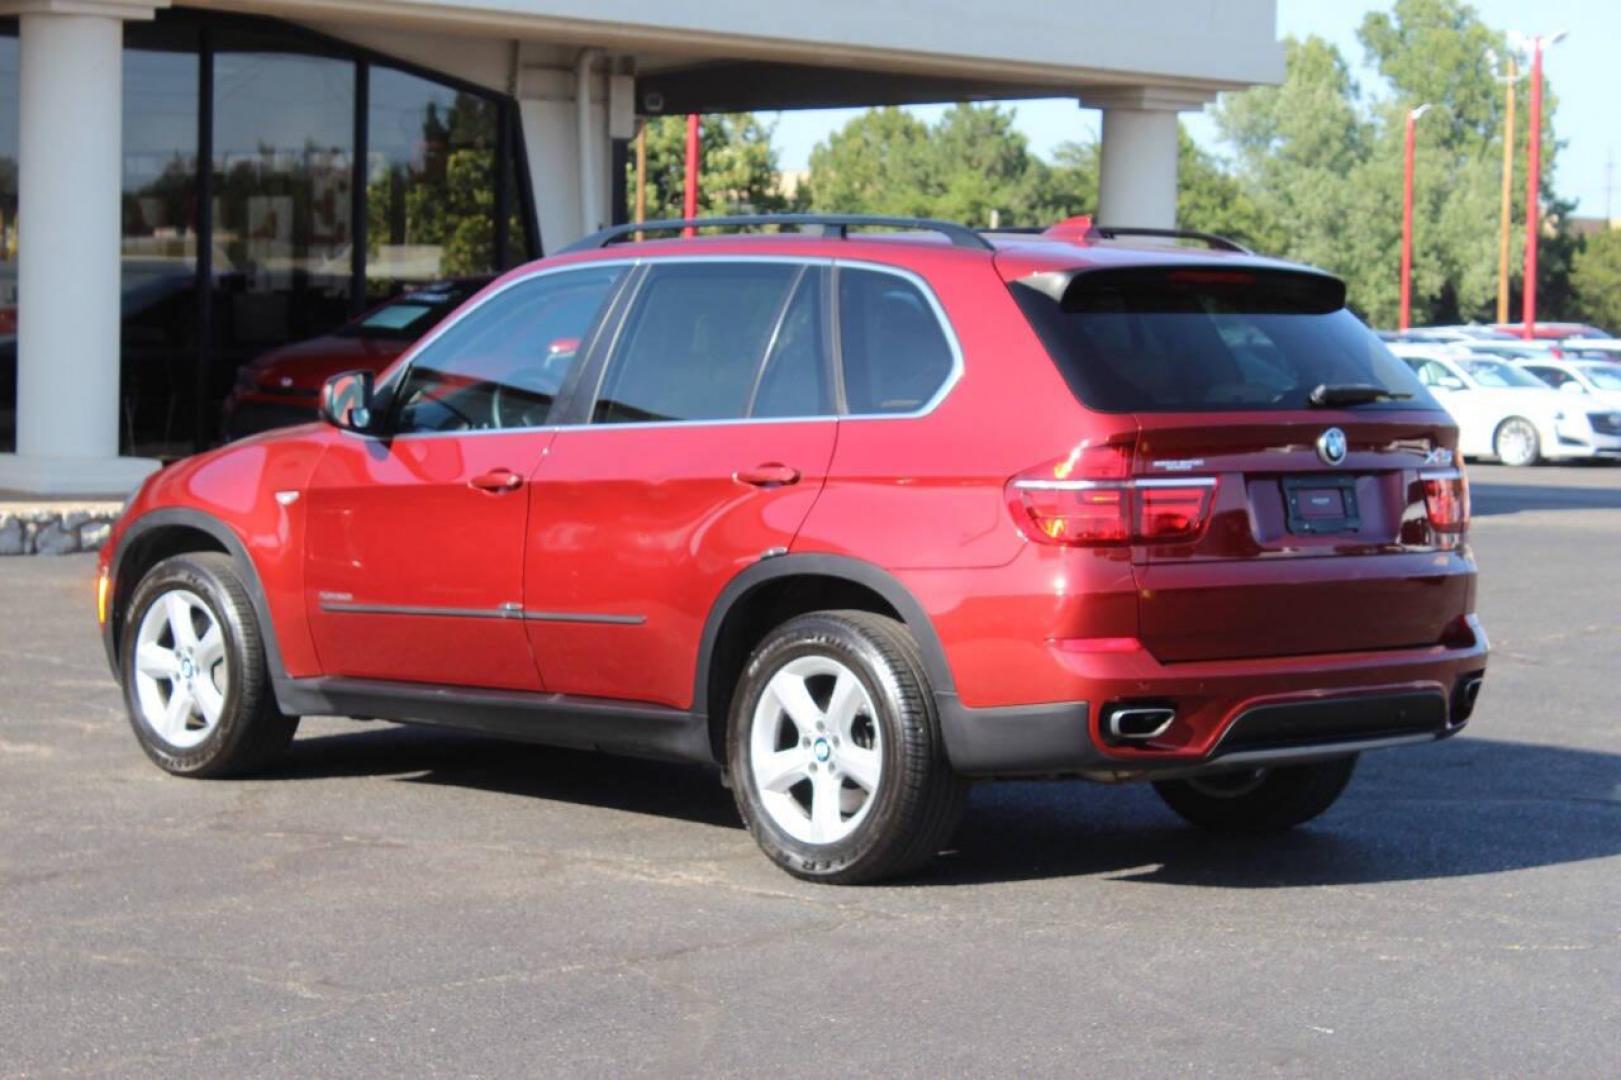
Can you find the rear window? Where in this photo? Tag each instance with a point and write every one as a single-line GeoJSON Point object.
{"type": "Point", "coordinates": [1195, 340]}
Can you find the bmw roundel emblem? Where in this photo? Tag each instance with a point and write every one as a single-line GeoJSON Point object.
{"type": "Point", "coordinates": [1331, 446]}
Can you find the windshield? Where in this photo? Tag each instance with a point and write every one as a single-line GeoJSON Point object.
{"type": "Point", "coordinates": [1603, 376]}
{"type": "Point", "coordinates": [1182, 339]}
{"type": "Point", "coordinates": [409, 316]}
{"type": "Point", "coordinates": [1496, 375]}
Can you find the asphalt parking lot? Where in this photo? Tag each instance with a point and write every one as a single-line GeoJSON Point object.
{"type": "Point", "coordinates": [396, 901]}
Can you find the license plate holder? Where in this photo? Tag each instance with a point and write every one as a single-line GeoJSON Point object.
{"type": "Point", "coordinates": [1321, 505]}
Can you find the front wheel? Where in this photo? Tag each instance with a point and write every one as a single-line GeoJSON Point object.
{"type": "Point", "coordinates": [1258, 800]}
{"type": "Point", "coordinates": [193, 665]}
{"type": "Point", "coordinates": [835, 753]}
{"type": "Point", "coordinates": [1517, 442]}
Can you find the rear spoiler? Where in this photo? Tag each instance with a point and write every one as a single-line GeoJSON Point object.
{"type": "Point", "coordinates": [1167, 288]}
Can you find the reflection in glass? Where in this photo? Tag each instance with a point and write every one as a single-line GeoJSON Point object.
{"type": "Point", "coordinates": [430, 182]}
{"type": "Point", "coordinates": [283, 161]}
{"type": "Point", "coordinates": [8, 240]}
{"type": "Point", "coordinates": [159, 252]}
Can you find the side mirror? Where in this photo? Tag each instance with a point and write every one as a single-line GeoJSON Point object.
{"type": "Point", "coordinates": [346, 400]}
{"type": "Point", "coordinates": [1573, 387]}
{"type": "Point", "coordinates": [1450, 382]}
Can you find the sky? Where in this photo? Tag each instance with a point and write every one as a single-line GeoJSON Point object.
{"type": "Point", "coordinates": [1580, 70]}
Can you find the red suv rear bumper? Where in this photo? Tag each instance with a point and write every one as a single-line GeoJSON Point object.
{"type": "Point", "coordinates": [1224, 713]}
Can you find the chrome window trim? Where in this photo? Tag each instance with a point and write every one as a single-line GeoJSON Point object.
{"type": "Point", "coordinates": [410, 356]}
{"type": "Point", "coordinates": [1136, 482]}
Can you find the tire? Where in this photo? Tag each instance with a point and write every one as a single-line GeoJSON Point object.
{"type": "Point", "coordinates": [867, 795]}
{"type": "Point", "coordinates": [1516, 442]}
{"type": "Point", "coordinates": [1262, 801]}
{"type": "Point", "coordinates": [226, 723]}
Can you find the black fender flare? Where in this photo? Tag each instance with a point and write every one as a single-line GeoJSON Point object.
{"type": "Point", "coordinates": [173, 517]}
{"type": "Point", "coordinates": [866, 574]}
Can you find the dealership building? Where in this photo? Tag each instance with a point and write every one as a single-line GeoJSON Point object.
{"type": "Point", "coordinates": [184, 187]}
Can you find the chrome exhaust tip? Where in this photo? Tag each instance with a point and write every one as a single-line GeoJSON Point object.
{"type": "Point", "coordinates": [1137, 723]}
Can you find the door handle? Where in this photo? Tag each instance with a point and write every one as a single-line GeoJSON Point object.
{"type": "Point", "coordinates": [769, 475]}
{"type": "Point", "coordinates": [496, 481]}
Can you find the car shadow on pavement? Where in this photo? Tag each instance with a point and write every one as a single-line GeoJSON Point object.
{"type": "Point", "coordinates": [1492, 499]}
{"type": "Point", "coordinates": [1466, 806]}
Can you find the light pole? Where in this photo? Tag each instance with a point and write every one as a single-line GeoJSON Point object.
{"type": "Point", "coordinates": [689, 200]}
{"type": "Point", "coordinates": [1405, 319]}
{"type": "Point", "coordinates": [1505, 216]}
{"type": "Point", "coordinates": [1533, 182]}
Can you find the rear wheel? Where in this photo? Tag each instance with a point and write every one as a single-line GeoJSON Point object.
{"type": "Point", "coordinates": [1258, 800]}
{"type": "Point", "coordinates": [1517, 442]}
{"type": "Point", "coordinates": [835, 753]}
{"type": "Point", "coordinates": [194, 673]}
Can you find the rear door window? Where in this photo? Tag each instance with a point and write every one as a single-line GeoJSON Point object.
{"type": "Point", "coordinates": [696, 340]}
{"type": "Point", "coordinates": [1190, 339]}
{"type": "Point", "coordinates": [895, 354]}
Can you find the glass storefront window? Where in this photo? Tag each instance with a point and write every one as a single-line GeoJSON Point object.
{"type": "Point", "coordinates": [8, 239]}
{"type": "Point", "coordinates": [430, 182]}
{"type": "Point", "coordinates": [283, 165]}
{"type": "Point", "coordinates": [276, 234]}
{"type": "Point", "coordinates": [159, 249]}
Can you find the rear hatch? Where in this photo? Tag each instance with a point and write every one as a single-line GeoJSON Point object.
{"type": "Point", "coordinates": [1292, 485]}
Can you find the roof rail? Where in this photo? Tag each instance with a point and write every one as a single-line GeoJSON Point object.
{"type": "Point", "coordinates": [835, 226]}
{"type": "Point", "coordinates": [1218, 243]}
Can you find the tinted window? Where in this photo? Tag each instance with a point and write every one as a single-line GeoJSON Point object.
{"type": "Point", "coordinates": [502, 365]}
{"type": "Point", "coordinates": [1175, 340]}
{"type": "Point", "coordinates": [895, 354]}
{"type": "Point", "coordinates": [1498, 376]}
{"type": "Point", "coordinates": [794, 382]}
{"type": "Point", "coordinates": [1551, 376]}
{"type": "Point", "coordinates": [1604, 376]}
{"type": "Point", "coordinates": [693, 342]}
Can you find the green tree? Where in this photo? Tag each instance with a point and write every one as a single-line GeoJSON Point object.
{"type": "Point", "coordinates": [1324, 163]}
{"type": "Point", "coordinates": [737, 170]}
{"type": "Point", "coordinates": [971, 165]}
{"type": "Point", "coordinates": [1595, 280]}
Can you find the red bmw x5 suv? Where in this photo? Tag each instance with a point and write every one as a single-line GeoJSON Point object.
{"type": "Point", "coordinates": [856, 512]}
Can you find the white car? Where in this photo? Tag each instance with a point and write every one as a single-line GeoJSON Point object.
{"type": "Point", "coordinates": [1593, 386]}
{"type": "Point", "coordinates": [1502, 411]}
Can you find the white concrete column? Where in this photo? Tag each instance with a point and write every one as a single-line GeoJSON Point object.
{"type": "Point", "coordinates": [553, 125]}
{"type": "Point", "coordinates": [70, 172]}
{"type": "Point", "coordinates": [1138, 156]}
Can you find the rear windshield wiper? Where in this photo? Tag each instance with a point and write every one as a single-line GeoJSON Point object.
{"type": "Point", "coordinates": [1326, 396]}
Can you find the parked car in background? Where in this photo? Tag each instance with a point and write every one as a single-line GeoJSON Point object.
{"type": "Point", "coordinates": [1502, 411]}
{"type": "Point", "coordinates": [1594, 386]}
{"type": "Point", "coordinates": [281, 387]}
{"type": "Point", "coordinates": [1553, 330]}
{"type": "Point", "coordinates": [1468, 332]}
{"type": "Point", "coordinates": [850, 516]}
{"type": "Point", "coordinates": [1592, 348]}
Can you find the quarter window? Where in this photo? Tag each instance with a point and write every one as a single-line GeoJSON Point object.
{"type": "Point", "coordinates": [895, 354]}
{"type": "Point", "coordinates": [503, 364]}
{"type": "Point", "coordinates": [694, 342]}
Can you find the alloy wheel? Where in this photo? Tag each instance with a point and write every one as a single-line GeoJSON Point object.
{"type": "Point", "coordinates": [1517, 443]}
{"type": "Point", "coordinates": [816, 750]}
{"type": "Point", "coordinates": [181, 672]}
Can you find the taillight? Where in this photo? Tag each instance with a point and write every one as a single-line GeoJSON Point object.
{"type": "Point", "coordinates": [1446, 499]}
{"type": "Point", "coordinates": [1091, 499]}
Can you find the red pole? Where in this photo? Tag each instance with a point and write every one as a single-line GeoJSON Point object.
{"type": "Point", "coordinates": [689, 203]}
{"type": "Point", "coordinates": [1533, 181]}
{"type": "Point", "coordinates": [1405, 319]}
